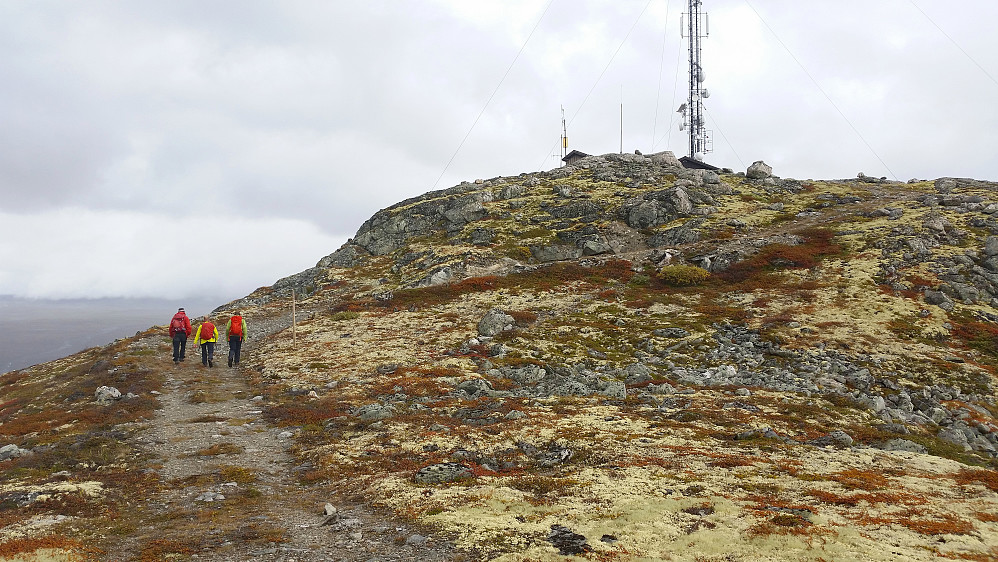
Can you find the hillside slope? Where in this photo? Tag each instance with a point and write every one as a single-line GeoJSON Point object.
{"type": "Point", "coordinates": [618, 360]}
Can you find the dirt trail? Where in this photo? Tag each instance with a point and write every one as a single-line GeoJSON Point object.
{"type": "Point", "coordinates": [231, 491]}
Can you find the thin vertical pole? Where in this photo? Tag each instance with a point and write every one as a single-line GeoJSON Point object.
{"type": "Point", "coordinates": [621, 118]}
{"type": "Point", "coordinates": [294, 335]}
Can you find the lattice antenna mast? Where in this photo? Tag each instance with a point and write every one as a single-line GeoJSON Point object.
{"type": "Point", "coordinates": [695, 26]}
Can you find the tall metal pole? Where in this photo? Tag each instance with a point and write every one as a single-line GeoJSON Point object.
{"type": "Point", "coordinates": [564, 136]}
{"type": "Point", "coordinates": [696, 30]}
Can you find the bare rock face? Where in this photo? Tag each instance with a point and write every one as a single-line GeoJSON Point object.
{"type": "Point", "coordinates": [759, 170]}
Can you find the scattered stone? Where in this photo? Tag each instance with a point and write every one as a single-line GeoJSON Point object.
{"type": "Point", "coordinates": [956, 437]}
{"type": "Point", "coordinates": [375, 411]}
{"type": "Point", "coordinates": [210, 497]}
{"type": "Point", "coordinates": [415, 540]}
{"type": "Point", "coordinates": [568, 542]}
{"type": "Point", "coordinates": [556, 455]}
{"type": "Point", "coordinates": [902, 445]}
{"type": "Point", "coordinates": [673, 333]}
{"type": "Point", "coordinates": [443, 473]}
{"type": "Point", "coordinates": [837, 438]}
{"type": "Point", "coordinates": [106, 395]}
{"type": "Point", "coordinates": [494, 322]}
{"type": "Point", "coordinates": [12, 451]}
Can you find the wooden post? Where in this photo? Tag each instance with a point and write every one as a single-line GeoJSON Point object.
{"type": "Point", "coordinates": [294, 336]}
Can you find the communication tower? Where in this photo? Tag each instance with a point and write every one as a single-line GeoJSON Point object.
{"type": "Point", "coordinates": [695, 26]}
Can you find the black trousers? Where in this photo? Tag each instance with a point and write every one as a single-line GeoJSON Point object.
{"type": "Point", "coordinates": [235, 345]}
{"type": "Point", "coordinates": [207, 352]}
{"type": "Point", "coordinates": [179, 346]}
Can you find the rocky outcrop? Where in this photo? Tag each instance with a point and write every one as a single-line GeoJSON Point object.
{"type": "Point", "coordinates": [759, 170]}
{"type": "Point", "coordinates": [390, 229]}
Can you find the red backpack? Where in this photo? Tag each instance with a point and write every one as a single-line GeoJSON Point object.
{"type": "Point", "coordinates": [177, 324]}
{"type": "Point", "coordinates": [207, 330]}
{"type": "Point", "coordinates": [237, 326]}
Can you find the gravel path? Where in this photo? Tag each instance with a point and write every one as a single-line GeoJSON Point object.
{"type": "Point", "coordinates": [230, 490]}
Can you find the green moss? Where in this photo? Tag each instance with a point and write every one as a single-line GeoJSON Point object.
{"type": "Point", "coordinates": [682, 275]}
{"type": "Point", "coordinates": [938, 447]}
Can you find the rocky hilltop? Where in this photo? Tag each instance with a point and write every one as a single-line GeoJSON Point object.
{"type": "Point", "coordinates": [617, 360]}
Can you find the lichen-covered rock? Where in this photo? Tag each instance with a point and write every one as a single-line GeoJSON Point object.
{"type": "Point", "coordinates": [759, 170]}
{"type": "Point", "coordinates": [686, 234]}
{"type": "Point", "coordinates": [443, 472]}
{"type": "Point", "coordinates": [674, 333]}
{"type": "Point", "coordinates": [956, 437]}
{"type": "Point", "coordinates": [555, 252]}
{"type": "Point", "coordinates": [903, 445]}
{"type": "Point", "coordinates": [476, 387]}
{"type": "Point", "coordinates": [347, 256]}
{"type": "Point", "coordinates": [494, 322]}
{"type": "Point", "coordinates": [106, 395]}
{"type": "Point", "coordinates": [373, 412]}
{"type": "Point", "coordinates": [837, 438]}
{"type": "Point", "coordinates": [614, 389]}
{"type": "Point", "coordinates": [12, 451]}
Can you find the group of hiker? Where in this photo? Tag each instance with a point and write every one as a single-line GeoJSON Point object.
{"type": "Point", "coordinates": [205, 337]}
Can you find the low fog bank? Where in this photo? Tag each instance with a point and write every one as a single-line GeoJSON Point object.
{"type": "Point", "coordinates": [39, 330]}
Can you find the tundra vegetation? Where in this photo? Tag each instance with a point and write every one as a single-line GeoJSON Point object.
{"type": "Point", "coordinates": [618, 360]}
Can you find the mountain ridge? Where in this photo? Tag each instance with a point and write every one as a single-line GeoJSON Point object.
{"type": "Point", "coordinates": [624, 359]}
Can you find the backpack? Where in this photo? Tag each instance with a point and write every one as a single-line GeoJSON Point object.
{"type": "Point", "coordinates": [207, 330]}
{"type": "Point", "coordinates": [237, 326]}
{"type": "Point", "coordinates": [177, 324]}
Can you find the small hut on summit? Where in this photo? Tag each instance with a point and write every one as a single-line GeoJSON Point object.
{"type": "Point", "coordinates": [573, 157]}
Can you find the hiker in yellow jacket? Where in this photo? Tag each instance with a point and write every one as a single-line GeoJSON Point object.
{"type": "Point", "coordinates": [205, 338]}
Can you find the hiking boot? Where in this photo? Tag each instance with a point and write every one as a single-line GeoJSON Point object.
{"type": "Point", "coordinates": [211, 364]}
{"type": "Point", "coordinates": [230, 362]}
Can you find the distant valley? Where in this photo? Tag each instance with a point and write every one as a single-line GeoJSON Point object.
{"type": "Point", "coordinates": [39, 330]}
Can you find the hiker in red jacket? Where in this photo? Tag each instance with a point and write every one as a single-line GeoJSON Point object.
{"type": "Point", "coordinates": [180, 329]}
{"type": "Point", "coordinates": [235, 331]}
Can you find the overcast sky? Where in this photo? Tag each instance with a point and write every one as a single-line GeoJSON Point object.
{"type": "Point", "coordinates": [177, 148]}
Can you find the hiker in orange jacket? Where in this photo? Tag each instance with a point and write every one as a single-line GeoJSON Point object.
{"type": "Point", "coordinates": [180, 329]}
{"type": "Point", "coordinates": [205, 338]}
{"type": "Point", "coordinates": [235, 331]}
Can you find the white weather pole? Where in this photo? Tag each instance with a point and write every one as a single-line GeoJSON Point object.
{"type": "Point", "coordinates": [564, 137]}
{"type": "Point", "coordinates": [294, 335]}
